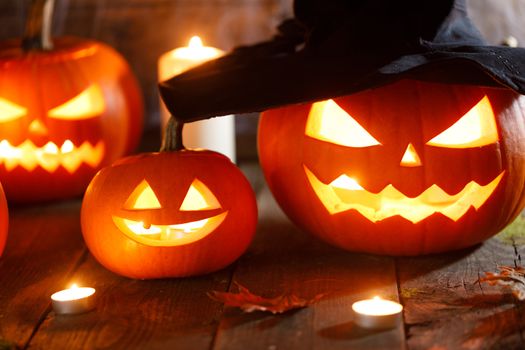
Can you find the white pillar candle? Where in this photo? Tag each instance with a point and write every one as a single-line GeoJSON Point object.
{"type": "Point", "coordinates": [377, 313]}
{"type": "Point", "coordinates": [217, 134]}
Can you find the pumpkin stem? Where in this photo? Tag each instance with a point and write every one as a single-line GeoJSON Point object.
{"type": "Point", "coordinates": [37, 34]}
{"type": "Point", "coordinates": [173, 136]}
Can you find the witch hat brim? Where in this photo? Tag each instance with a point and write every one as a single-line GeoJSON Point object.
{"type": "Point", "coordinates": [349, 46]}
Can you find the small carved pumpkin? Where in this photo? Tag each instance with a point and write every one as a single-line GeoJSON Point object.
{"type": "Point", "coordinates": [405, 169]}
{"type": "Point", "coordinates": [169, 214]}
{"type": "Point", "coordinates": [65, 111]}
{"type": "Point", "coordinates": [4, 220]}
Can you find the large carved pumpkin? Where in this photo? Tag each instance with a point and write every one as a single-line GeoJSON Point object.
{"type": "Point", "coordinates": [404, 169]}
{"type": "Point", "coordinates": [4, 219]}
{"type": "Point", "coordinates": [169, 214]}
{"type": "Point", "coordinates": [66, 110]}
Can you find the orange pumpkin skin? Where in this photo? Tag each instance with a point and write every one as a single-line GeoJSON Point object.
{"type": "Point", "coordinates": [169, 175]}
{"type": "Point", "coordinates": [396, 115]}
{"type": "Point", "coordinates": [4, 219]}
{"type": "Point", "coordinates": [37, 82]}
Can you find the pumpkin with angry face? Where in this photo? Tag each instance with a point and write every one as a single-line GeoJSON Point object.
{"type": "Point", "coordinates": [169, 214]}
{"type": "Point", "coordinates": [404, 169]}
{"type": "Point", "coordinates": [68, 106]}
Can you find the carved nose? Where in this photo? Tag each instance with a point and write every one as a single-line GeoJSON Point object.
{"type": "Point", "coordinates": [37, 128]}
{"type": "Point", "coordinates": [410, 157]}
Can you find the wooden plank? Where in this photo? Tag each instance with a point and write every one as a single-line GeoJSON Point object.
{"type": "Point", "coordinates": [285, 260]}
{"type": "Point", "coordinates": [135, 314]}
{"type": "Point", "coordinates": [43, 247]}
{"type": "Point", "coordinates": [446, 308]}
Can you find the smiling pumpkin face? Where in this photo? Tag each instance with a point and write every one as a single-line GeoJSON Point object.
{"type": "Point", "coordinates": [63, 115]}
{"type": "Point", "coordinates": [405, 169]}
{"type": "Point", "coordinates": [140, 220]}
{"type": "Point", "coordinates": [169, 214]}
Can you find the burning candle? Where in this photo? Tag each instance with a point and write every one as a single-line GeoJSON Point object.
{"type": "Point", "coordinates": [377, 313]}
{"type": "Point", "coordinates": [216, 134]}
{"type": "Point", "coordinates": [74, 300]}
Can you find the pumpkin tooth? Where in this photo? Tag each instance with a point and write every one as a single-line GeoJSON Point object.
{"type": "Point", "coordinates": [339, 196]}
{"type": "Point", "coordinates": [67, 147]}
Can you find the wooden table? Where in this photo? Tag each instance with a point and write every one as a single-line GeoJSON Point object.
{"type": "Point", "coordinates": [445, 306]}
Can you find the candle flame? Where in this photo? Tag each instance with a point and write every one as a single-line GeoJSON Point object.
{"type": "Point", "coordinates": [377, 297]}
{"type": "Point", "coordinates": [195, 42]}
{"type": "Point", "coordinates": [73, 293]}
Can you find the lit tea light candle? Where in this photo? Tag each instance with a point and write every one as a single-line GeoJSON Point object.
{"type": "Point", "coordinates": [217, 134]}
{"type": "Point", "coordinates": [377, 313]}
{"type": "Point", "coordinates": [74, 300]}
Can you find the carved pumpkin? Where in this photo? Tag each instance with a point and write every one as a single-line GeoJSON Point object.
{"type": "Point", "coordinates": [405, 169]}
{"type": "Point", "coordinates": [65, 111]}
{"type": "Point", "coordinates": [169, 214]}
{"type": "Point", "coordinates": [4, 219]}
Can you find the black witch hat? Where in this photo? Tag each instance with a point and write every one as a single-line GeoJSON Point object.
{"type": "Point", "coordinates": [337, 47]}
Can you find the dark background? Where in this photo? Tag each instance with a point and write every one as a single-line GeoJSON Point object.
{"type": "Point", "coordinates": [144, 29]}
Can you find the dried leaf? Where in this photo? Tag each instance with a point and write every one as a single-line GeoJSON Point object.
{"type": "Point", "coordinates": [511, 277]}
{"type": "Point", "coordinates": [249, 302]}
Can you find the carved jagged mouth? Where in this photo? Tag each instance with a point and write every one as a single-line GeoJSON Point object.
{"type": "Point", "coordinates": [50, 156]}
{"type": "Point", "coordinates": [344, 194]}
{"type": "Point", "coordinates": [168, 235]}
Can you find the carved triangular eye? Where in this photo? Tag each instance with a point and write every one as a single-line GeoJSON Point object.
{"type": "Point", "coordinates": [142, 197]}
{"type": "Point", "coordinates": [10, 111]}
{"type": "Point", "coordinates": [88, 104]}
{"type": "Point", "coordinates": [199, 197]}
{"type": "Point", "coordinates": [475, 129]}
{"type": "Point", "coordinates": [327, 121]}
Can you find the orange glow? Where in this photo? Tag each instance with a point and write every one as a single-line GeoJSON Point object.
{"type": "Point", "coordinates": [410, 157]}
{"type": "Point", "coordinates": [475, 129]}
{"type": "Point", "coordinates": [199, 197]}
{"type": "Point", "coordinates": [142, 197]}
{"type": "Point", "coordinates": [391, 202]}
{"type": "Point", "coordinates": [179, 60]}
{"type": "Point", "coordinates": [88, 104]}
{"type": "Point", "coordinates": [346, 182]}
{"type": "Point", "coordinates": [50, 156]}
{"type": "Point", "coordinates": [10, 111]}
{"type": "Point", "coordinates": [329, 122]}
{"type": "Point", "coordinates": [169, 235]}
{"type": "Point", "coordinates": [38, 128]}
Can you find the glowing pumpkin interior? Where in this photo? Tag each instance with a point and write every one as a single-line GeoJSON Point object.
{"type": "Point", "coordinates": [88, 104]}
{"type": "Point", "coordinates": [143, 198]}
{"type": "Point", "coordinates": [328, 122]}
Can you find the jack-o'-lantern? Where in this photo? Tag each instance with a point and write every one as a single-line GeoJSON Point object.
{"type": "Point", "coordinates": [169, 214]}
{"type": "Point", "coordinates": [4, 219]}
{"type": "Point", "coordinates": [67, 108]}
{"type": "Point", "coordinates": [403, 169]}
{"type": "Point", "coordinates": [399, 130]}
